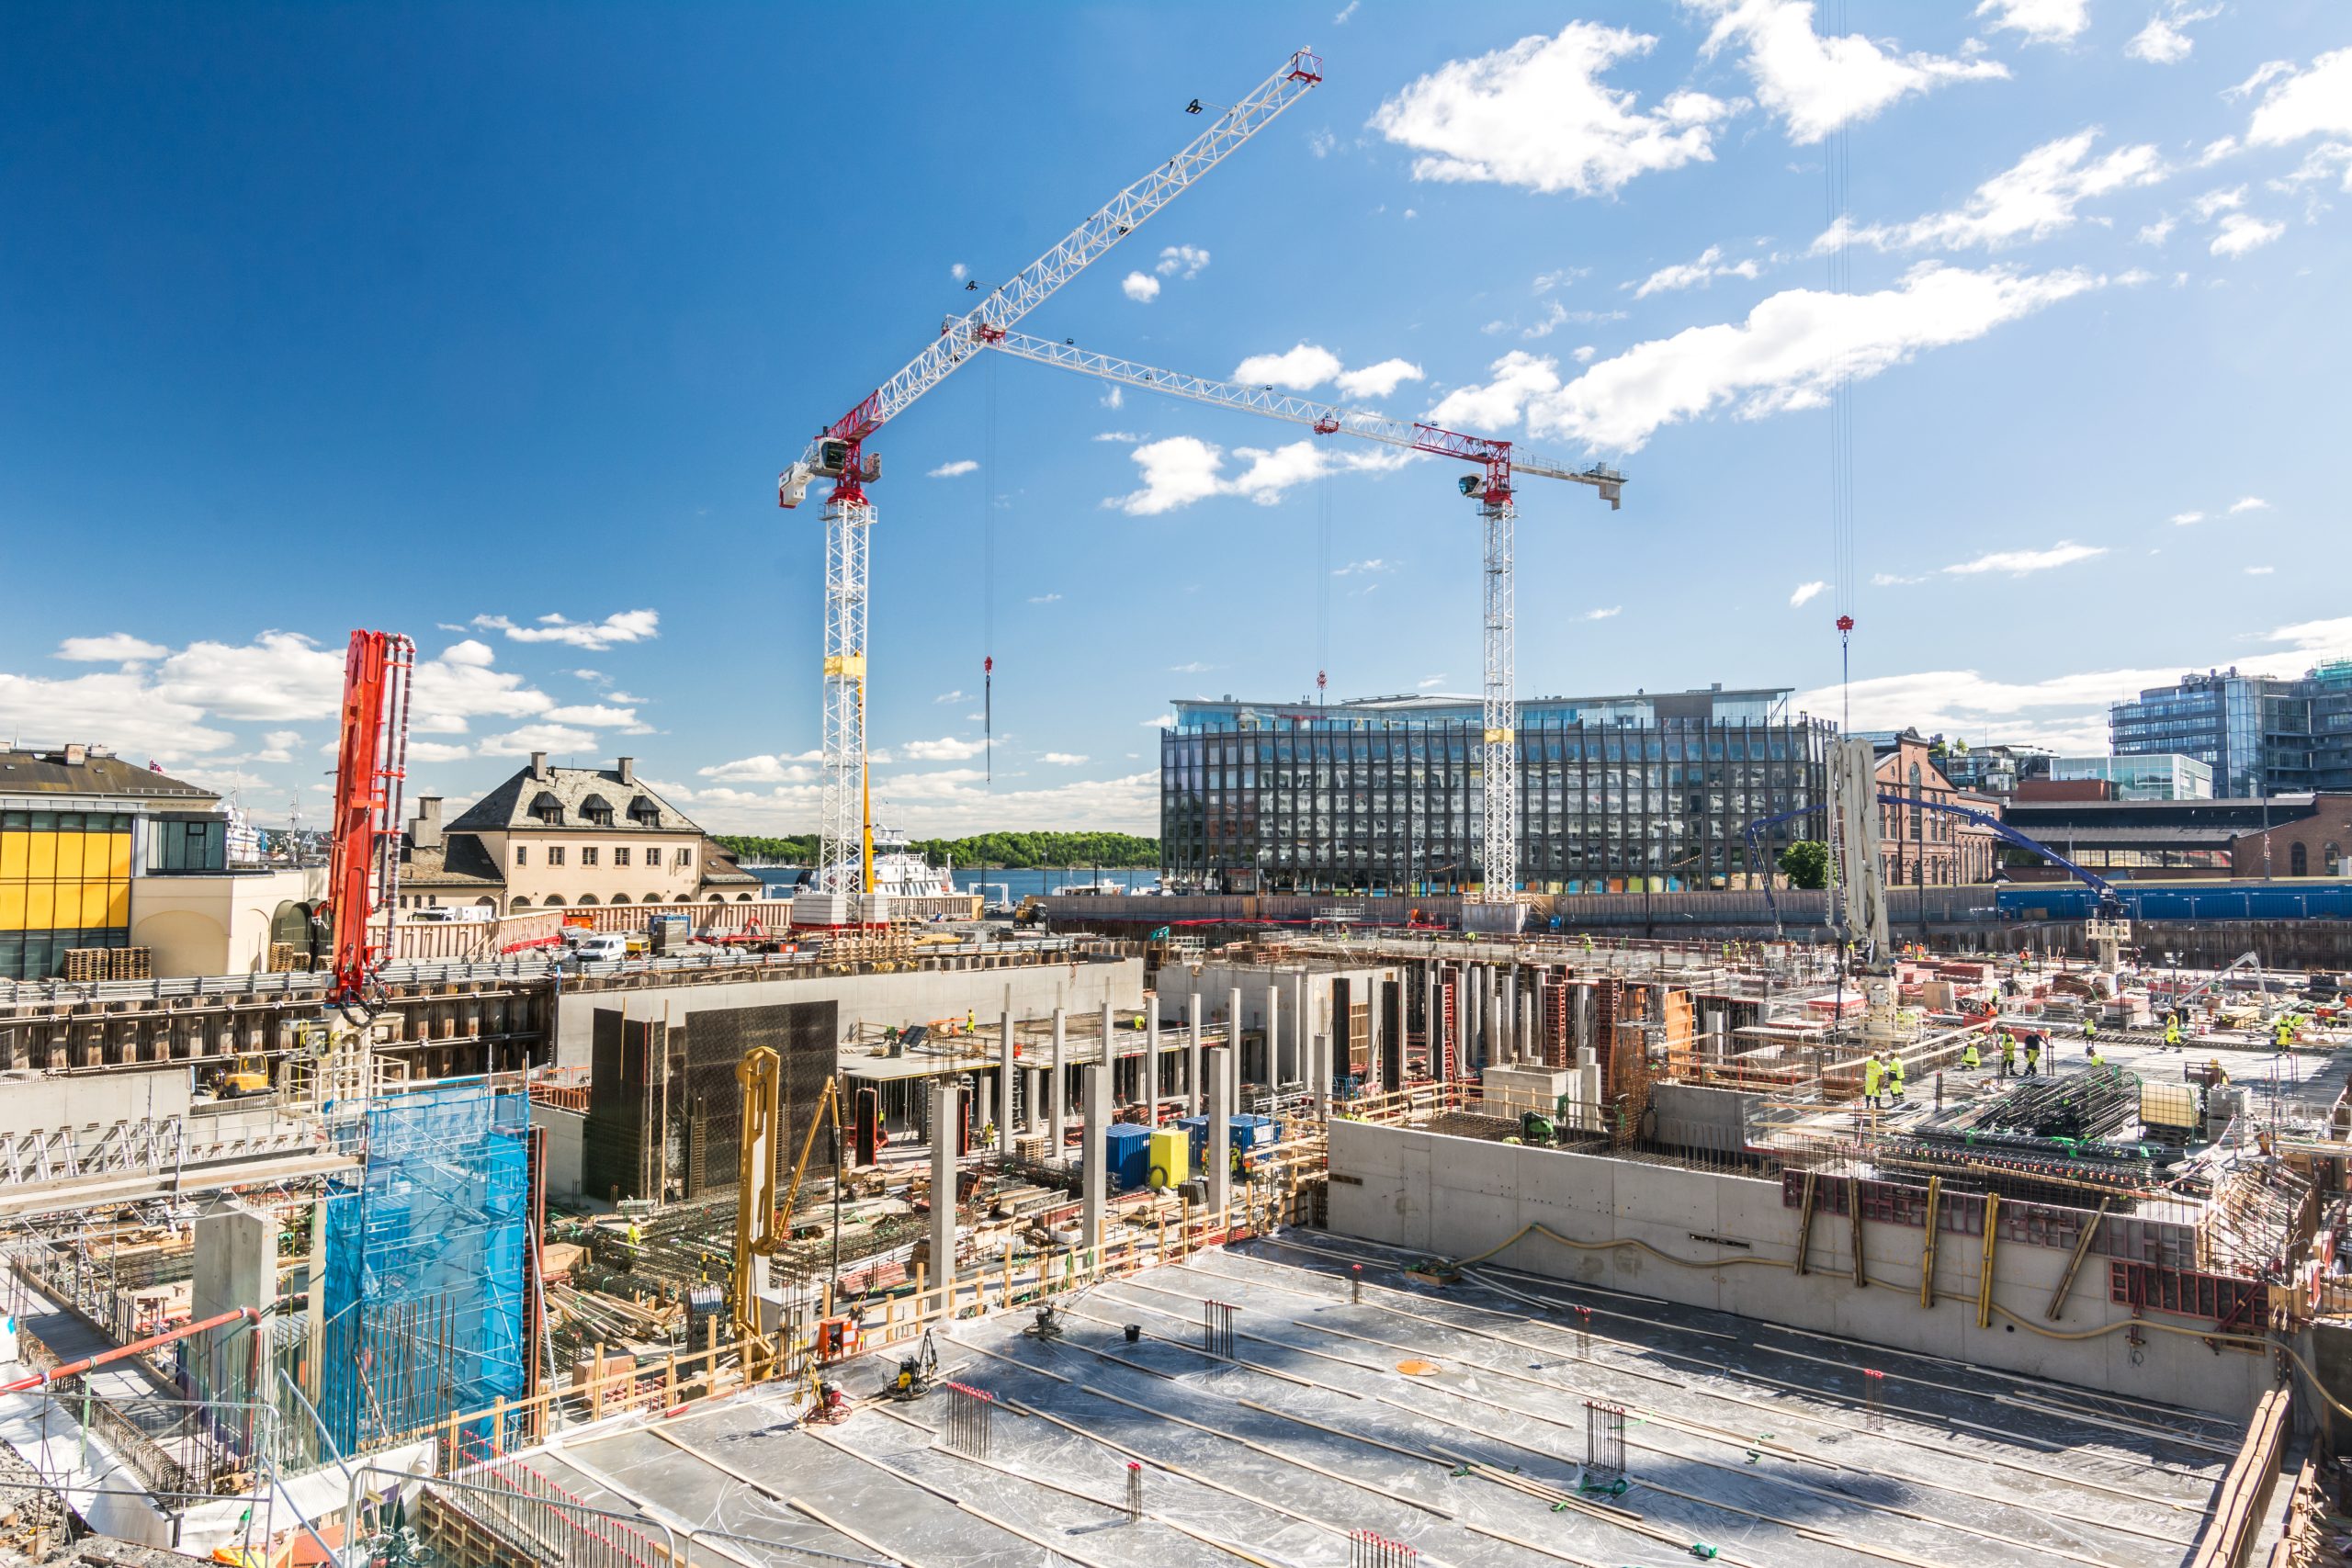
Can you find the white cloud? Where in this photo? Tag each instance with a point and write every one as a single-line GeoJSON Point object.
{"type": "Point", "coordinates": [2224, 199]}
{"type": "Point", "coordinates": [437, 751]}
{"type": "Point", "coordinates": [594, 677]}
{"type": "Point", "coordinates": [1193, 667]}
{"type": "Point", "coordinates": [2241, 231]}
{"type": "Point", "coordinates": [1141, 287]}
{"type": "Point", "coordinates": [771, 769]}
{"type": "Point", "coordinates": [1378, 380]}
{"type": "Point", "coordinates": [592, 715]}
{"type": "Point", "coordinates": [117, 709]}
{"type": "Point", "coordinates": [1537, 113]}
{"type": "Point", "coordinates": [2066, 712]}
{"type": "Point", "coordinates": [2032, 199]}
{"type": "Point", "coordinates": [1045, 598]}
{"type": "Point", "coordinates": [1165, 721]}
{"type": "Point", "coordinates": [1585, 353]}
{"type": "Point", "coordinates": [557, 738]}
{"type": "Point", "coordinates": [1182, 261]}
{"type": "Point", "coordinates": [2216, 150]}
{"type": "Point", "coordinates": [2261, 571]}
{"type": "Point", "coordinates": [2184, 518]}
{"type": "Point", "coordinates": [1609, 614]}
{"type": "Point", "coordinates": [2264, 74]}
{"type": "Point", "coordinates": [1359, 568]}
{"type": "Point", "coordinates": [1126, 437]}
{"type": "Point", "coordinates": [1815, 84]}
{"type": "Point", "coordinates": [947, 802]}
{"type": "Point", "coordinates": [2022, 563]}
{"type": "Point", "coordinates": [955, 469]}
{"type": "Point", "coordinates": [946, 748]}
{"type": "Point", "coordinates": [1113, 396]}
{"type": "Point", "coordinates": [277, 676]}
{"type": "Point", "coordinates": [2248, 503]}
{"type": "Point", "coordinates": [1323, 143]}
{"type": "Point", "coordinates": [115, 647]}
{"type": "Point", "coordinates": [1788, 354]}
{"type": "Point", "coordinates": [1894, 580]}
{"type": "Point", "coordinates": [277, 746]}
{"type": "Point", "coordinates": [1062, 759]}
{"type": "Point", "coordinates": [1345, 12]}
{"type": "Point", "coordinates": [2041, 21]}
{"type": "Point", "coordinates": [957, 270]}
{"type": "Point", "coordinates": [2162, 42]}
{"type": "Point", "coordinates": [628, 625]}
{"type": "Point", "coordinates": [1184, 469]}
{"type": "Point", "coordinates": [459, 686]}
{"type": "Point", "coordinates": [468, 650]}
{"type": "Point", "coordinates": [1432, 680]}
{"type": "Point", "coordinates": [1300, 369]}
{"type": "Point", "coordinates": [1695, 275]}
{"type": "Point", "coordinates": [2157, 233]}
{"type": "Point", "coordinates": [2324, 162]}
{"type": "Point", "coordinates": [1807, 592]}
{"type": "Point", "coordinates": [952, 697]}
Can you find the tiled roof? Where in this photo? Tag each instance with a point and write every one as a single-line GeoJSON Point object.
{"type": "Point", "coordinates": [573, 793]}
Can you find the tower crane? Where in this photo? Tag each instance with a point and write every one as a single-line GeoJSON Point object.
{"type": "Point", "coordinates": [845, 861]}
{"type": "Point", "coordinates": [1491, 489]}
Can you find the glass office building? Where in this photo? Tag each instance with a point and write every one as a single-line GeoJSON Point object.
{"type": "Point", "coordinates": [1383, 794]}
{"type": "Point", "coordinates": [2259, 734]}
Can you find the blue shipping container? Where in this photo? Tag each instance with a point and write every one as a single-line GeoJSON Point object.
{"type": "Point", "coordinates": [1126, 1150]}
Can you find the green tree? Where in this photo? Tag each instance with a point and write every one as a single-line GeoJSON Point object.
{"type": "Point", "coordinates": [1806, 864]}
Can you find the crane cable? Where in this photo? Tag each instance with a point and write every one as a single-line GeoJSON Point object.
{"type": "Point", "coordinates": [1323, 590]}
{"type": "Point", "coordinates": [988, 581]}
{"type": "Point", "coordinates": [1834, 171]}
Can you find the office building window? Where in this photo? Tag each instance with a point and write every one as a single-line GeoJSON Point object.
{"type": "Point", "coordinates": [620, 854]}
{"type": "Point", "coordinates": [587, 854]}
{"type": "Point", "coordinates": [555, 854]}
{"type": "Point", "coordinates": [521, 854]}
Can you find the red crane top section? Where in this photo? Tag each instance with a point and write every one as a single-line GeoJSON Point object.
{"type": "Point", "coordinates": [370, 763]}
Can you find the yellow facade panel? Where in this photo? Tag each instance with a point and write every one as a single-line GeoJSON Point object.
{"type": "Point", "coordinates": [94, 853]}
{"type": "Point", "coordinates": [118, 903]}
{"type": "Point", "coordinates": [15, 848]}
{"type": "Point", "coordinates": [40, 905]}
{"type": "Point", "coordinates": [118, 858]}
{"type": "Point", "coordinates": [41, 865]}
{"type": "Point", "coordinates": [92, 906]}
{"type": "Point", "coordinates": [12, 906]}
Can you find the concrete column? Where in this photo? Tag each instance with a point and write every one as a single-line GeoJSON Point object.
{"type": "Point", "coordinates": [1432, 1032]}
{"type": "Point", "coordinates": [1375, 1069]}
{"type": "Point", "coordinates": [942, 1181]}
{"type": "Point", "coordinates": [1192, 1062]}
{"type": "Point", "coordinates": [1151, 1056]}
{"type": "Point", "coordinates": [1004, 1070]}
{"type": "Point", "coordinates": [1507, 1014]}
{"type": "Point", "coordinates": [1233, 1024]}
{"type": "Point", "coordinates": [1319, 1075]}
{"type": "Point", "coordinates": [1275, 1077]}
{"type": "Point", "coordinates": [1110, 1061]}
{"type": "Point", "coordinates": [236, 1261]}
{"type": "Point", "coordinates": [1221, 1068]}
{"type": "Point", "coordinates": [1095, 1101]}
{"type": "Point", "coordinates": [983, 1101]}
{"type": "Point", "coordinates": [1057, 1091]}
{"type": "Point", "coordinates": [1303, 1025]}
{"type": "Point", "coordinates": [1033, 1099]}
{"type": "Point", "coordinates": [1580, 1017]}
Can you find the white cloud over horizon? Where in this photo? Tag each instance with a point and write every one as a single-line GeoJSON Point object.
{"type": "Point", "coordinates": [1815, 84]}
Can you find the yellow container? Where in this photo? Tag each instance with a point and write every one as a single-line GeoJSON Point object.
{"type": "Point", "coordinates": [1172, 1155]}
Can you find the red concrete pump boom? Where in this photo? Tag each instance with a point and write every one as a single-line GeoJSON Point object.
{"type": "Point", "coordinates": [362, 875]}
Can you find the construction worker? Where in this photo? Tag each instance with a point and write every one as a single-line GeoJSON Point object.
{"type": "Point", "coordinates": [1969, 1059]}
{"type": "Point", "coordinates": [2214, 1076]}
{"type": "Point", "coordinates": [1894, 1076]}
{"type": "Point", "coordinates": [1240, 1164]}
{"type": "Point", "coordinates": [635, 1234]}
{"type": "Point", "coordinates": [1873, 1081]}
{"type": "Point", "coordinates": [2090, 1034]}
{"type": "Point", "coordinates": [987, 1133]}
{"type": "Point", "coordinates": [2171, 1034]}
{"type": "Point", "coordinates": [1587, 942]}
{"type": "Point", "coordinates": [2009, 1052]}
{"type": "Point", "coordinates": [2284, 1030]}
{"type": "Point", "coordinates": [2096, 1060]}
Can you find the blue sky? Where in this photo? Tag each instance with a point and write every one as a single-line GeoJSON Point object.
{"type": "Point", "coordinates": [493, 325]}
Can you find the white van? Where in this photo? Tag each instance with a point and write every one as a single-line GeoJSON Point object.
{"type": "Point", "coordinates": [602, 947]}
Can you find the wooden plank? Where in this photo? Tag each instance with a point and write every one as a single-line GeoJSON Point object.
{"type": "Point", "coordinates": [1927, 1247]}
{"type": "Point", "coordinates": [1985, 1270]}
{"type": "Point", "coordinates": [2082, 1249]}
{"type": "Point", "coordinates": [1854, 1212]}
{"type": "Point", "coordinates": [1804, 1223]}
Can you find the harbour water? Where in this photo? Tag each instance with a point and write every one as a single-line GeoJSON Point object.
{"type": "Point", "coordinates": [1015, 883]}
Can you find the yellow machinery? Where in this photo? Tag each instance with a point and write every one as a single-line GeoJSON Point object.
{"type": "Point", "coordinates": [761, 1225]}
{"type": "Point", "coordinates": [247, 1076]}
{"type": "Point", "coordinates": [1172, 1156]}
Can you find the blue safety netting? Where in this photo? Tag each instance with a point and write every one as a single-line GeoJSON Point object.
{"type": "Point", "coordinates": [424, 1284]}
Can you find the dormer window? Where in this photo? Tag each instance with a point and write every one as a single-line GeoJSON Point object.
{"type": "Point", "coordinates": [597, 811]}
{"type": "Point", "coordinates": [548, 809]}
{"type": "Point", "coordinates": [644, 813]}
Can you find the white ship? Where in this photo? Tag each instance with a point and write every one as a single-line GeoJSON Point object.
{"type": "Point", "coordinates": [899, 873]}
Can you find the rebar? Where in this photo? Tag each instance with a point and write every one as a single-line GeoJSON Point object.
{"type": "Point", "coordinates": [1873, 1399]}
{"type": "Point", "coordinates": [970, 1413]}
{"type": "Point", "coordinates": [1604, 1438]}
{"type": "Point", "coordinates": [1217, 1330]}
{"type": "Point", "coordinates": [1135, 1492]}
{"type": "Point", "coordinates": [1368, 1549]}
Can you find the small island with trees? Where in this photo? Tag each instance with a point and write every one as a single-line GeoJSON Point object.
{"type": "Point", "coordinates": [1120, 850]}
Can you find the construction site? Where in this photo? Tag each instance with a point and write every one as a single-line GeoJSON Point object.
{"type": "Point", "coordinates": [1309, 1243]}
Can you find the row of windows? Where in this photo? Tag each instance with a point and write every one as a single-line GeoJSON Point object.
{"type": "Point", "coordinates": [40, 955]}
{"type": "Point", "coordinates": [66, 822]}
{"type": "Point", "coordinates": [680, 859]}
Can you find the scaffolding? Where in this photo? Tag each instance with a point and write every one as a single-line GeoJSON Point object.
{"type": "Point", "coordinates": [425, 1285]}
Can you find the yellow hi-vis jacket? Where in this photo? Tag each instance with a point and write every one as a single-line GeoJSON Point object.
{"type": "Point", "coordinates": [1873, 1075]}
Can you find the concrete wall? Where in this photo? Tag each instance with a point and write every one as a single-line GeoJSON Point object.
{"type": "Point", "coordinates": [879, 999]}
{"type": "Point", "coordinates": [1461, 1197]}
{"type": "Point", "coordinates": [565, 1131]}
{"type": "Point", "coordinates": [32, 1104]}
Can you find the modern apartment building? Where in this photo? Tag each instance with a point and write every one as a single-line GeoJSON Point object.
{"type": "Point", "coordinates": [2157, 776]}
{"type": "Point", "coordinates": [2253, 731]}
{"type": "Point", "coordinates": [1640, 792]}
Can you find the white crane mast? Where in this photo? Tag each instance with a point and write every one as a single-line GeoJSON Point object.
{"type": "Point", "coordinates": [845, 859]}
{"type": "Point", "coordinates": [1498, 752]}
